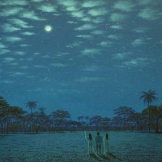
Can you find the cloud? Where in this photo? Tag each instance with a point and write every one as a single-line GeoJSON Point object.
{"type": "Point", "coordinates": [14, 3]}
{"type": "Point", "coordinates": [39, 66]}
{"type": "Point", "coordinates": [75, 44]}
{"type": "Point", "coordinates": [4, 51]}
{"type": "Point", "coordinates": [9, 28]}
{"type": "Point", "coordinates": [105, 43]}
{"type": "Point", "coordinates": [120, 56]}
{"type": "Point", "coordinates": [20, 53]}
{"type": "Point", "coordinates": [10, 11]}
{"type": "Point", "coordinates": [90, 4]}
{"type": "Point", "coordinates": [13, 39]}
{"type": "Point", "coordinates": [30, 15]}
{"type": "Point", "coordinates": [7, 81]}
{"type": "Point", "coordinates": [84, 36]}
{"type": "Point", "coordinates": [37, 0]}
{"type": "Point", "coordinates": [117, 17]}
{"type": "Point", "coordinates": [149, 14]}
{"type": "Point", "coordinates": [124, 6]}
{"type": "Point", "coordinates": [89, 79]}
{"type": "Point", "coordinates": [9, 59]}
{"type": "Point", "coordinates": [24, 45]}
{"type": "Point", "coordinates": [149, 2]}
{"type": "Point", "coordinates": [2, 45]}
{"type": "Point", "coordinates": [140, 30]}
{"type": "Point", "coordinates": [58, 65]}
{"type": "Point", "coordinates": [47, 7]}
{"type": "Point", "coordinates": [61, 54]}
{"type": "Point", "coordinates": [18, 74]}
{"type": "Point", "coordinates": [138, 42]}
{"type": "Point", "coordinates": [98, 20]}
{"type": "Point", "coordinates": [19, 22]}
{"type": "Point", "coordinates": [113, 37]}
{"type": "Point", "coordinates": [85, 27]}
{"type": "Point", "coordinates": [137, 62]}
{"type": "Point", "coordinates": [97, 12]}
{"type": "Point", "coordinates": [78, 14]}
{"type": "Point", "coordinates": [28, 33]}
{"type": "Point", "coordinates": [91, 68]}
{"type": "Point", "coordinates": [90, 52]}
{"type": "Point", "coordinates": [97, 32]}
{"type": "Point", "coordinates": [117, 27]}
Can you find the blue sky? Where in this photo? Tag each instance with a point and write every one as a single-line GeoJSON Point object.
{"type": "Point", "coordinates": [98, 55]}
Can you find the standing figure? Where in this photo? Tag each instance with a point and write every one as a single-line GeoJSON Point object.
{"type": "Point", "coordinates": [90, 142]}
{"type": "Point", "coordinates": [99, 142]}
{"type": "Point", "coordinates": [106, 144]}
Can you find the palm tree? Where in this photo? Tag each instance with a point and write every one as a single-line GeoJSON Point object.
{"type": "Point", "coordinates": [32, 105]}
{"type": "Point", "coordinates": [148, 98]}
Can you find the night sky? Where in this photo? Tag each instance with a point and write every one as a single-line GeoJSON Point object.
{"type": "Point", "coordinates": [88, 57]}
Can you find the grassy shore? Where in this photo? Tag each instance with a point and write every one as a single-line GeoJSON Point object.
{"type": "Point", "coordinates": [72, 147]}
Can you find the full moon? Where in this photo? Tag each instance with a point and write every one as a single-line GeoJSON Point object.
{"type": "Point", "coordinates": [48, 28]}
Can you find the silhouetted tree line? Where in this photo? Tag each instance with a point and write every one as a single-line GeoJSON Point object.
{"type": "Point", "coordinates": [14, 119]}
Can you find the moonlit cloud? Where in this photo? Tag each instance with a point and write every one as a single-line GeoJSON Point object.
{"type": "Point", "coordinates": [117, 17]}
{"type": "Point", "coordinates": [78, 14]}
{"type": "Point", "coordinates": [13, 39]}
{"type": "Point", "coordinates": [37, 0]}
{"type": "Point", "coordinates": [18, 74]}
{"type": "Point", "coordinates": [91, 3]}
{"type": "Point", "coordinates": [20, 23]}
{"type": "Point", "coordinates": [67, 3]}
{"type": "Point", "coordinates": [86, 27]}
{"type": "Point", "coordinates": [89, 79]}
{"type": "Point", "coordinates": [146, 2]}
{"type": "Point", "coordinates": [30, 15]}
{"type": "Point", "coordinates": [138, 42]}
{"type": "Point", "coordinates": [90, 52]}
{"type": "Point", "coordinates": [75, 44]}
{"type": "Point", "coordinates": [9, 59]}
{"type": "Point", "coordinates": [149, 14]}
{"type": "Point", "coordinates": [137, 62]}
{"type": "Point", "coordinates": [7, 81]}
{"type": "Point", "coordinates": [39, 66]}
{"type": "Point", "coordinates": [2, 45]}
{"type": "Point", "coordinates": [10, 11]}
{"type": "Point", "coordinates": [19, 53]}
{"type": "Point", "coordinates": [97, 32]}
{"type": "Point", "coordinates": [126, 6]}
{"type": "Point", "coordinates": [91, 68]}
{"type": "Point", "coordinates": [120, 56]}
{"type": "Point", "coordinates": [140, 30]}
{"type": "Point", "coordinates": [24, 45]}
{"type": "Point", "coordinates": [97, 12]}
{"type": "Point", "coordinates": [98, 20]}
{"type": "Point", "coordinates": [28, 33]}
{"type": "Point", "coordinates": [14, 3]}
{"type": "Point", "coordinates": [4, 51]}
{"type": "Point", "coordinates": [113, 37]}
{"type": "Point", "coordinates": [105, 43]}
{"type": "Point", "coordinates": [9, 28]}
{"type": "Point", "coordinates": [117, 27]}
{"type": "Point", "coordinates": [58, 65]}
{"type": "Point", "coordinates": [47, 7]}
{"type": "Point", "coordinates": [84, 36]}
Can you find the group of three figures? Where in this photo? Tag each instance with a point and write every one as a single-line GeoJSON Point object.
{"type": "Point", "coordinates": [99, 141]}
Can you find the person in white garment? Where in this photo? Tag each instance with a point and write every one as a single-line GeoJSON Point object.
{"type": "Point", "coordinates": [99, 143]}
{"type": "Point", "coordinates": [106, 144]}
{"type": "Point", "coordinates": [90, 142]}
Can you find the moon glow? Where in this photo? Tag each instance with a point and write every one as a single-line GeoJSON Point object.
{"type": "Point", "coordinates": [48, 28]}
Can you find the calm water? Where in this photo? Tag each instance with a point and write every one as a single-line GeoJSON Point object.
{"type": "Point", "coordinates": [58, 146]}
